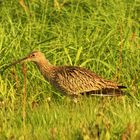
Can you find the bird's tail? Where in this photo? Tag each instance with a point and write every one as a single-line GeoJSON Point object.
{"type": "Point", "coordinates": [105, 92]}
{"type": "Point", "coordinates": [120, 86]}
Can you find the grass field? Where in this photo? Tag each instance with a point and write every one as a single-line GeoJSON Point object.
{"type": "Point", "coordinates": [100, 35]}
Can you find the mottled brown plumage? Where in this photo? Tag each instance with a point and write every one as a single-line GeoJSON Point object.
{"type": "Point", "coordinates": [73, 80]}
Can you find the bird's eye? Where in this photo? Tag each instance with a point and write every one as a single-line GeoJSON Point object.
{"type": "Point", "coordinates": [33, 55]}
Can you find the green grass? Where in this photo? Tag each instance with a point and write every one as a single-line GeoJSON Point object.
{"type": "Point", "coordinates": [102, 36]}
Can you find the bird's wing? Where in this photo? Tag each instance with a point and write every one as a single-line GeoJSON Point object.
{"type": "Point", "coordinates": [77, 80]}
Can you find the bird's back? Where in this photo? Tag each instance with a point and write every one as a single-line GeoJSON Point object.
{"type": "Point", "coordinates": [76, 80]}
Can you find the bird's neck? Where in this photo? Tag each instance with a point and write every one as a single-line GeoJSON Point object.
{"type": "Point", "coordinates": [45, 68]}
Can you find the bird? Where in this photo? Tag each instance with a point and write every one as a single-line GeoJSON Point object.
{"type": "Point", "coordinates": [73, 80]}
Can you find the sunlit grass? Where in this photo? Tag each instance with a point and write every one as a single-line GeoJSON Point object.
{"type": "Point", "coordinates": [101, 36]}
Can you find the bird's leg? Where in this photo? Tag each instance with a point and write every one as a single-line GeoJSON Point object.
{"type": "Point", "coordinates": [74, 98]}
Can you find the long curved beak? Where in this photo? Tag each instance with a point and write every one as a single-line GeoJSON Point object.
{"type": "Point", "coordinates": [16, 62]}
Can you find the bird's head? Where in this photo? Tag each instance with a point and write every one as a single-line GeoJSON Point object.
{"type": "Point", "coordinates": [35, 56]}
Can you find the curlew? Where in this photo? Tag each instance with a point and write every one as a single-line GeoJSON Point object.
{"type": "Point", "coordinates": [73, 80]}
